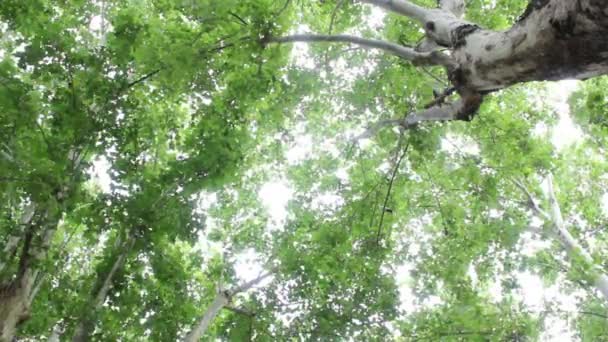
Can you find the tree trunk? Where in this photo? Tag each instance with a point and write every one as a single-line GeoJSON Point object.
{"type": "Point", "coordinates": [101, 288]}
{"type": "Point", "coordinates": [220, 301]}
{"type": "Point", "coordinates": [16, 295]}
{"type": "Point", "coordinates": [573, 248]}
{"type": "Point", "coordinates": [552, 40]}
{"type": "Point", "coordinates": [14, 304]}
{"type": "Point", "coordinates": [12, 243]}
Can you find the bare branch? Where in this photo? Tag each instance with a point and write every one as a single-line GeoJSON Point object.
{"type": "Point", "coordinates": [532, 202]}
{"type": "Point", "coordinates": [408, 53]}
{"type": "Point", "coordinates": [373, 130]}
{"type": "Point", "coordinates": [333, 16]}
{"type": "Point", "coordinates": [447, 112]}
{"type": "Point", "coordinates": [456, 7]}
{"type": "Point", "coordinates": [440, 98]}
{"type": "Point", "coordinates": [246, 286]}
{"type": "Point", "coordinates": [390, 188]}
{"type": "Point", "coordinates": [439, 23]}
{"type": "Point", "coordinates": [402, 7]}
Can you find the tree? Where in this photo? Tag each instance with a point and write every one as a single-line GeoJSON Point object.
{"type": "Point", "coordinates": [551, 40]}
{"type": "Point", "coordinates": [425, 231]}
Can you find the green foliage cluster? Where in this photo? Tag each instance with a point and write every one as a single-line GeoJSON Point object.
{"type": "Point", "coordinates": [417, 235]}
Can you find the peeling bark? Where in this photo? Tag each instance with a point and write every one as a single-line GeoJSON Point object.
{"type": "Point", "coordinates": [552, 40]}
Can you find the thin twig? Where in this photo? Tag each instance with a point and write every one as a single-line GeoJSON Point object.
{"type": "Point", "coordinates": [388, 192]}
{"type": "Point", "coordinates": [241, 20]}
{"type": "Point", "coordinates": [143, 78]}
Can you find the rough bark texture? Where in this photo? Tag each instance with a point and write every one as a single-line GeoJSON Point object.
{"type": "Point", "coordinates": [554, 40]}
{"type": "Point", "coordinates": [14, 304]}
{"type": "Point", "coordinates": [18, 292]}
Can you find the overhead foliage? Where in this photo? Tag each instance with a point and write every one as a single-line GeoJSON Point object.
{"type": "Point", "coordinates": [140, 138]}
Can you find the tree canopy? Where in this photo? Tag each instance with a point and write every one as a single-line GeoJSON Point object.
{"type": "Point", "coordinates": [326, 170]}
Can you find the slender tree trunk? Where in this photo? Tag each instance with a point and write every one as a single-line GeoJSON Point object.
{"type": "Point", "coordinates": [220, 301]}
{"type": "Point", "coordinates": [102, 287]}
{"type": "Point", "coordinates": [573, 248]}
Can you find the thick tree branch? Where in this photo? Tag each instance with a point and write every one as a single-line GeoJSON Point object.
{"type": "Point", "coordinates": [447, 112]}
{"type": "Point", "coordinates": [442, 25]}
{"type": "Point", "coordinates": [408, 53]}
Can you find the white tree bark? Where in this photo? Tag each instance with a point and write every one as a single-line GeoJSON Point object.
{"type": "Point", "coordinates": [440, 112]}
{"type": "Point", "coordinates": [572, 247]}
{"type": "Point", "coordinates": [221, 300]}
{"type": "Point", "coordinates": [575, 250]}
{"type": "Point", "coordinates": [553, 40]}
{"type": "Point", "coordinates": [440, 24]}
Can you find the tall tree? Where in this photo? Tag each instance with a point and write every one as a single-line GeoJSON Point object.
{"type": "Point", "coordinates": [144, 141]}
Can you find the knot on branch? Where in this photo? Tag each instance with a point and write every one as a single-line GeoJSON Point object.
{"type": "Point", "coordinates": [460, 34]}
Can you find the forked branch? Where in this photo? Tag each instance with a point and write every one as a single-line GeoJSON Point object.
{"type": "Point", "coordinates": [407, 53]}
